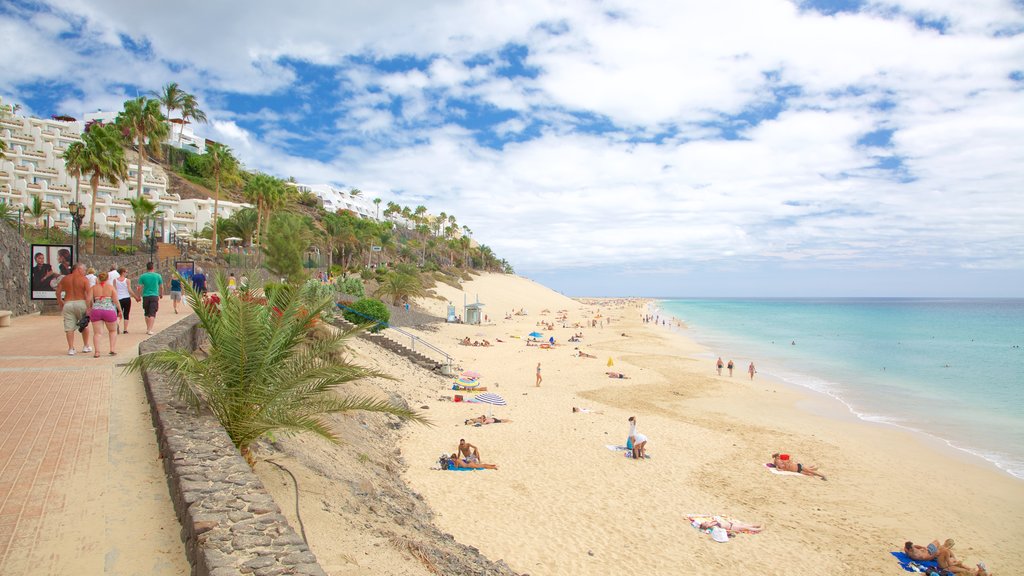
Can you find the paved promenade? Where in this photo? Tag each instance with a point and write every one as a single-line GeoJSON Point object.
{"type": "Point", "coordinates": [82, 490]}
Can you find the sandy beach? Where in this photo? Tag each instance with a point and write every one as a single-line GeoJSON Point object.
{"type": "Point", "coordinates": [561, 503]}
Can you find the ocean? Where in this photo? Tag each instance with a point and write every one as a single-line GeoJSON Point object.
{"type": "Point", "coordinates": [950, 368]}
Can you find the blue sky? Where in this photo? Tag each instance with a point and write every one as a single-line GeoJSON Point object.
{"type": "Point", "coordinates": [761, 147]}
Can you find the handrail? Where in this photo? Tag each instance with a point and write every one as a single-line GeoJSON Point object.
{"type": "Point", "coordinates": [412, 337]}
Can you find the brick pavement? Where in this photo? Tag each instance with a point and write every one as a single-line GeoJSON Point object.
{"type": "Point", "coordinates": [81, 488]}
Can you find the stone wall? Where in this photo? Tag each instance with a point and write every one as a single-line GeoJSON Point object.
{"type": "Point", "coordinates": [14, 273]}
{"type": "Point", "coordinates": [230, 524]}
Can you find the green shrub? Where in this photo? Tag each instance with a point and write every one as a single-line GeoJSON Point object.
{"type": "Point", "coordinates": [197, 165]}
{"type": "Point", "coordinates": [351, 286]}
{"type": "Point", "coordinates": [366, 274]}
{"type": "Point", "coordinates": [372, 308]}
{"type": "Point", "coordinates": [125, 250]}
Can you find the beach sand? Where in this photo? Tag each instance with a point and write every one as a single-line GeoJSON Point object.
{"type": "Point", "coordinates": [561, 503]}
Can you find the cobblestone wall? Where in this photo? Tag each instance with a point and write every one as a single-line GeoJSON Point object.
{"type": "Point", "coordinates": [14, 275]}
{"type": "Point", "coordinates": [230, 524]}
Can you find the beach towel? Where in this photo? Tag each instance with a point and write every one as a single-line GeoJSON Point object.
{"type": "Point", "coordinates": [627, 452]}
{"type": "Point", "coordinates": [465, 469]}
{"type": "Point", "coordinates": [915, 565]}
{"type": "Point", "coordinates": [717, 532]}
{"type": "Point", "coordinates": [771, 468]}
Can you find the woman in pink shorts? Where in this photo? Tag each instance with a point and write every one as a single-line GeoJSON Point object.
{"type": "Point", "coordinates": [105, 309]}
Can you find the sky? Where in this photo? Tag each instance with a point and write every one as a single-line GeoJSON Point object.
{"type": "Point", "coordinates": [677, 148]}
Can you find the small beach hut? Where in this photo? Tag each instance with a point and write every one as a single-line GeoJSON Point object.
{"type": "Point", "coordinates": [474, 313]}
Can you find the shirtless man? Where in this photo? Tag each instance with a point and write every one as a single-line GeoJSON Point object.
{"type": "Point", "coordinates": [468, 452]}
{"type": "Point", "coordinates": [73, 305]}
{"type": "Point", "coordinates": [790, 466]}
{"type": "Point", "coordinates": [924, 553]}
{"type": "Point", "coordinates": [948, 562]}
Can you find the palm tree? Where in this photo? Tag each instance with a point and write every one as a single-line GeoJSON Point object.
{"type": "Point", "coordinates": [171, 96]}
{"type": "Point", "coordinates": [400, 287]}
{"type": "Point", "coordinates": [3, 149]}
{"type": "Point", "coordinates": [244, 224]}
{"type": "Point", "coordinates": [376, 202]}
{"type": "Point", "coordinates": [355, 192]}
{"type": "Point", "coordinates": [264, 373]}
{"type": "Point", "coordinates": [142, 208]}
{"type": "Point", "coordinates": [190, 111]}
{"type": "Point", "coordinates": [99, 155]}
{"type": "Point", "coordinates": [257, 190]}
{"type": "Point", "coordinates": [37, 210]}
{"type": "Point", "coordinates": [225, 168]}
{"type": "Point", "coordinates": [142, 121]}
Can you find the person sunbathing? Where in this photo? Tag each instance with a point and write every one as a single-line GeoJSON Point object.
{"type": "Point", "coordinates": [924, 553]}
{"type": "Point", "coordinates": [460, 463]}
{"type": "Point", "coordinates": [783, 462]}
{"type": "Point", "coordinates": [948, 562]}
{"type": "Point", "coordinates": [619, 375]}
{"type": "Point", "coordinates": [482, 419]}
{"type": "Point", "coordinates": [465, 341]}
{"type": "Point", "coordinates": [730, 526]}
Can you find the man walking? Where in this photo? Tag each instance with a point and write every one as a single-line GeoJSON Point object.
{"type": "Point", "coordinates": [152, 290]}
{"type": "Point", "coordinates": [71, 294]}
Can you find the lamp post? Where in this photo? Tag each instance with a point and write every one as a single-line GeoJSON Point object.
{"type": "Point", "coordinates": [152, 237]}
{"type": "Point", "coordinates": [77, 210]}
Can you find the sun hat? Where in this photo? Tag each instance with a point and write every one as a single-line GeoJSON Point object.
{"type": "Point", "coordinates": [718, 534]}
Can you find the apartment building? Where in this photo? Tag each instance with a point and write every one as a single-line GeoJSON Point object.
{"type": "Point", "coordinates": [34, 167]}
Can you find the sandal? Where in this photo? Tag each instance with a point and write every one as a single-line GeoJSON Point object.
{"type": "Point", "coordinates": [112, 353]}
{"type": "Point", "coordinates": [96, 355]}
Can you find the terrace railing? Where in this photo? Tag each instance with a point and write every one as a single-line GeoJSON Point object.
{"type": "Point", "coordinates": [413, 339]}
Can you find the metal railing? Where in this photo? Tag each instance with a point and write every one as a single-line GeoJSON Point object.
{"type": "Point", "coordinates": [413, 339]}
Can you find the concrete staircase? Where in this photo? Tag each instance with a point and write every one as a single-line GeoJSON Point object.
{"type": "Point", "coordinates": [388, 343]}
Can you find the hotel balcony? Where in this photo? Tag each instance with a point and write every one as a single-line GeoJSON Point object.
{"type": "Point", "coordinates": [22, 168]}
{"type": "Point", "coordinates": [44, 170]}
{"type": "Point", "coordinates": [184, 216]}
{"type": "Point", "coordinates": [35, 153]}
{"type": "Point", "coordinates": [10, 123]}
{"type": "Point", "coordinates": [116, 219]}
{"type": "Point", "coordinates": [120, 202]}
{"type": "Point", "coordinates": [21, 138]}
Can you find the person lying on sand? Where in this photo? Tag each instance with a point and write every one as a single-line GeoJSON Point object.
{"type": "Point", "coordinates": [730, 526]}
{"type": "Point", "coordinates": [468, 451]}
{"type": "Point", "coordinates": [948, 562]}
{"type": "Point", "coordinates": [465, 341]}
{"type": "Point", "coordinates": [460, 463]}
{"type": "Point", "coordinates": [582, 354]}
{"type": "Point", "coordinates": [482, 419]}
{"type": "Point", "coordinates": [789, 465]}
{"type": "Point", "coordinates": [924, 553]}
{"type": "Point", "coordinates": [584, 411]}
{"type": "Point", "coordinates": [619, 375]}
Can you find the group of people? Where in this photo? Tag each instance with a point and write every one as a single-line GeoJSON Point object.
{"type": "Point", "coordinates": [105, 299]}
{"type": "Point", "coordinates": [467, 342]}
{"type": "Point", "coordinates": [719, 365]}
{"type": "Point", "coordinates": [942, 553]}
{"type": "Point", "coordinates": [468, 456]}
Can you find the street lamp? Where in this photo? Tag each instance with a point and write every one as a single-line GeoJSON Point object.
{"type": "Point", "coordinates": [77, 210]}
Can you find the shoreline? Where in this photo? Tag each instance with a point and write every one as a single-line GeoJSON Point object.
{"type": "Point", "coordinates": [833, 404]}
{"type": "Point", "coordinates": [560, 503]}
{"type": "Point", "coordinates": [708, 436]}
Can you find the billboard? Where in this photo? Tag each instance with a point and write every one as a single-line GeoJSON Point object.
{"type": "Point", "coordinates": [48, 263]}
{"type": "Point", "coordinates": [186, 268]}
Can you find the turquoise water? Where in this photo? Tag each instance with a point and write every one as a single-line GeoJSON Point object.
{"type": "Point", "coordinates": [952, 368]}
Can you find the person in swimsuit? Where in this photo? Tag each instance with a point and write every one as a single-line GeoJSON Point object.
{"type": "Point", "coordinates": [751, 370]}
{"type": "Point", "coordinates": [924, 553]}
{"type": "Point", "coordinates": [730, 366]}
{"type": "Point", "coordinates": [482, 419]}
{"type": "Point", "coordinates": [539, 379]}
{"type": "Point", "coordinates": [467, 451]}
{"type": "Point", "coordinates": [783, 462]}
{"type": "Point", "coordinates": [106, 309]}
{"type": "Point", "coordinates": [619, 375]}
{"type": "Point", "coordinates": [460, 463]}
{"type": "Point", "coordinates": [730, 526]}
{"type": "Point", "coordinates": [719, 365]}
{"type": "Point", "coordinates": [639, 440]}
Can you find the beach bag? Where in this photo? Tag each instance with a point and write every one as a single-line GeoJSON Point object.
{"type": "Point", "coordinates": [83, 323]}
{"type": "Point", "coordinates": [629, 443]}
{"type": "Point", "coordinates": [446, 462]}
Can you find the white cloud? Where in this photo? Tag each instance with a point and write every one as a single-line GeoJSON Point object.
{"type": "Point", "coordinates": [794, 184]}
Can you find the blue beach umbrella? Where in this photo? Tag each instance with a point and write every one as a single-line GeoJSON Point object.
{"type": "Point", "coordinates": [535, 335]}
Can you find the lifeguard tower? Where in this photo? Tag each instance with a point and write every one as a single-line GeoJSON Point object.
{"type": "Point", "coordinates": [473, 312]}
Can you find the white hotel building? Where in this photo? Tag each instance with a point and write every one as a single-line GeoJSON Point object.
{"type": "Point", "coordinates": [34, 167]}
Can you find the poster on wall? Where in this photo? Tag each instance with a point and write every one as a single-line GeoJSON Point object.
{"type": "Point", "coordinates": [47, 265]}
{"type": "Point", "coordinates": [186, 268]}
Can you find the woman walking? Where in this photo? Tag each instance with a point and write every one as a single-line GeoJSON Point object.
{"type": "Point", "coordinates": [123, 286]}
{"type": "Point", "coordinates": [106, 309]}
